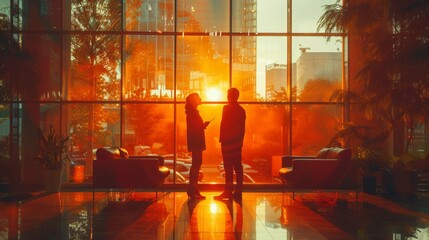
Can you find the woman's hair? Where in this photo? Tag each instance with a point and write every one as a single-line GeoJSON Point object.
{"type": "Point", "coordinates": [192, 101]}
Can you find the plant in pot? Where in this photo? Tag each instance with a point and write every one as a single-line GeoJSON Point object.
{"type": "Point", "coordinates": [52, 157]}
{"type": "Point", "coordinates": [371, 163]}
{"type": "Point", "coordinates": [4, 158]}
{"type": "Point", "coordinates": [404, 174]}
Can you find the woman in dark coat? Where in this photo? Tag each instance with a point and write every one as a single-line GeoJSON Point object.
{"type": "Point", "coordinates": [196, 142]}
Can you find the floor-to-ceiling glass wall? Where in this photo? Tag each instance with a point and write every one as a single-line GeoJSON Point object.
{"type": "Point", "coordinates": [117, 72]}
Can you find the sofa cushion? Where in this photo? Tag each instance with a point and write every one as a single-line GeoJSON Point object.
{"type": "Point", "coordinates": [323, 153]}
{"type": "Point", "coordinates": [334, 153]}
{"type": "Point", "coordinates": [123, 152]}
{"type": "Point", "coordinates": [111, 153]}
{"type": "Point", "coordinates": [339, 153]}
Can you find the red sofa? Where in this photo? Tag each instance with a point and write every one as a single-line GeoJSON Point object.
{"type": "Point", "coordinates": [332, 168]}
{"type": "Point", "coordinates": [113, 168]}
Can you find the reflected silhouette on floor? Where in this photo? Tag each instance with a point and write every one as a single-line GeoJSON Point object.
{"type": "Point", "coordinates": [127, 219]}
{"type": "Point", "coordinates": [261, 215]}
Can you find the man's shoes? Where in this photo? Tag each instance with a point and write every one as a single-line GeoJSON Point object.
{"type": "Point", "coordinates": [199, 196]}
{"type": "Point", "coordinates": [224, 196]}
{"type": "Point", "coordinates": [195, 195]}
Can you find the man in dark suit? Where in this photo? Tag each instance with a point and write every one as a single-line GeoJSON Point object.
{"type": "Point", "coordinates": [232, 130]}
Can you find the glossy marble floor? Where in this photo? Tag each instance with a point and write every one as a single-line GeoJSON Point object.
{"type": "Point", "coordinates": [260, 215]}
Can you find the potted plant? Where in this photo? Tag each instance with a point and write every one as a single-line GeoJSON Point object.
{"type": "Point", "coordinates": [404, 174]}
{"type": "Point", "coordinates": [4, 161]}
{"type": "Point", "coordinates": [52, 157]}
{"type": "Point", "coordinates": [371, 162]}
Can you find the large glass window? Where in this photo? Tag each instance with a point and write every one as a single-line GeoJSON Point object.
{"type": "Point", "coordinates": [116, 73]}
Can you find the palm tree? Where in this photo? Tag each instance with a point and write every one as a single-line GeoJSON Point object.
{"type": "Point", "coordinates": [394, 72]}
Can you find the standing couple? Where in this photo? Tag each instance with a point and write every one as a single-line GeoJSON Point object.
{"type": "Point", "coordinates": [231, 138]}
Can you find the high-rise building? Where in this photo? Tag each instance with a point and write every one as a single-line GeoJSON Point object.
{"type": "Point", "coordinates": [276, 75]}
{"type": "Point", "coordinates": [318, 66]}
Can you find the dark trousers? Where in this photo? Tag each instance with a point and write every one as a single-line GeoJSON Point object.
{"type": "Point", "coordinates": [232, 163]}
{"type": "Point", "coordinates": [197, 160]}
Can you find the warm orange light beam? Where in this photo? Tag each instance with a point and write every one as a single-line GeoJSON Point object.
{"type": "Point", "coordinates": [213, 94]}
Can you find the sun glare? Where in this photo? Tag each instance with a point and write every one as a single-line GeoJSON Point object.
{"type": "Point", "coordinates": [213, 94]}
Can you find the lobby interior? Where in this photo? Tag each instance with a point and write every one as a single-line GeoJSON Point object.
{"type": "Point", "coordinates": [116, 73]}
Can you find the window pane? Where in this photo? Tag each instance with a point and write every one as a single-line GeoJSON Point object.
{"type": "Point", "coordinates": [4, 143]}
{"type": "Point", "coordinates": [244, 66]}
{"type": "Point", "coordinates": [252, 16]}
{"type": "Point", "coordinates": [306, 13]}
{"type": "Point", "coordinates": [94, 68]}
{"type": "Point", "coordinates": [263, 144]}
{"type": "Point", "coordinates": [40, 15]}
{"type": "Point", "coordinates": [151, 15]}
{"type": "Point", "coordinates": [5, 8]}
{"type": "Point", "coordinates": [271, 68]}
{"type": "Point", "coordinates": [50, 115]}
{"type": "Point", "coordinates": [91, 126]}
{"type": "Point", "coordinates": [148, 129]}
{"type": "Point", "coordinates": [45, 62]}
{"type": "Point", "coordinates": [317, 70]}
{"type": "Point", "coordinates": [202, 67]}
{"type": "Point", "coordinates": [96, 15]}
{"type": "Point", "coordinates": [209, 16]}
{"type": "Point", "coordinates": [313, 127]}
{"type": "Point", "coordinates": [148, 67]}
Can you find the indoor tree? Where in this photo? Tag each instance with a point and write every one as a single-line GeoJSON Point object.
{"type": "Point", "coordinates": [394, 66]}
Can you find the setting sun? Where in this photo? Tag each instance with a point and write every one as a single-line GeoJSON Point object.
{"type": "Point", "coordinates": [213, 94]}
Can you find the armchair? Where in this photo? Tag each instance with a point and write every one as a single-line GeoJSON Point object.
{"type": "Point", "coordinates": [332, 169]}
{"type": "Point", "coordinates": [113, 168]}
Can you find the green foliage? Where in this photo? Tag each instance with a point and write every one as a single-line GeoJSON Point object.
{"type": "Point", "coordinates": [394, 57]}
{"type": "Point", "coordinates": [4, 148]}
{"type": "Point", "coordinates": [371, 160]}
{"type": "Point", "coordinates": [350, 134]}
{"type": "Point", "coordinates": [53, 149]}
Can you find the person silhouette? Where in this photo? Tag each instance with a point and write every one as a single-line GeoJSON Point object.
{"type": "Point", "coordinates": [232, 130]}
{"type": "Point", "coordinates": [196, 142]}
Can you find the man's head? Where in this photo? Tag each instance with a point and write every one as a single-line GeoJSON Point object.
{"type": "Point", "coordinates": [233, 95]}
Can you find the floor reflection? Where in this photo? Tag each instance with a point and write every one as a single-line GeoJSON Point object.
{"type": "Point", "coordinates": [260, 215]}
